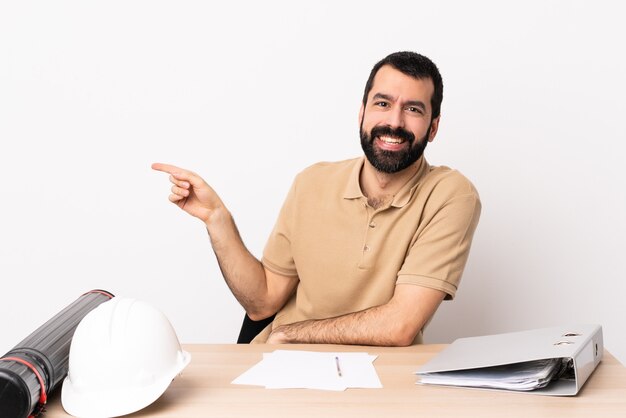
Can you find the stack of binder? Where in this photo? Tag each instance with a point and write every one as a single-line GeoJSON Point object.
{"type": "Point", "coordinates": [547, 361]}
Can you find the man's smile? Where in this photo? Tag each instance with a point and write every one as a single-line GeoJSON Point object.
{"type": "Point", "coordinates": [391, 140]}
{"type": "Point", "coordinates": [390, 143]}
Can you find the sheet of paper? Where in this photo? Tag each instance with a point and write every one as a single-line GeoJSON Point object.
{"type": "Point", "coordinates": [358, 370]}
{"type": "Point", "coordinates": [312, 370]}
{"type": "Point", "coordinates": [523, 376]}
{"type": "Point", "coordinates": [302, 369]}
{"type": "Point", "coordinates": [253, 376]}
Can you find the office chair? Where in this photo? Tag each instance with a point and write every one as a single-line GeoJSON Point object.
{"type": "Point", "coordinates": [250, 328]}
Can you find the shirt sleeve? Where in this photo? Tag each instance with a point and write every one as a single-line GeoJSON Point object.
{"type": "Point", "coordinates": [277, 255]}
{"type": "Point", "coordinates": [440, 250]}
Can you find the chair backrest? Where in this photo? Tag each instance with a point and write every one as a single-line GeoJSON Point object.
{"type": "Point", "coordinates": [250, 328]}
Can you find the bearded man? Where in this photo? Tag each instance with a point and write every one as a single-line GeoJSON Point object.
{"type": "Point", "coordinates": [364, 250]}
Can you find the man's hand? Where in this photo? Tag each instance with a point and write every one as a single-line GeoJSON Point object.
{"type": "Point", "coordinates": [190, 192]}
{"type": "Point", "coordinates": [260, 293]}
{"type": "Point", "coordinates": [277, 337]}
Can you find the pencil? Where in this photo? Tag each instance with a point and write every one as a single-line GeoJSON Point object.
{"type": "Point", "coordinates": [338, 367]}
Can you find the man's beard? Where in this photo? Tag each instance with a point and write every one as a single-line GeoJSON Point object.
{"type": "Point", "coordinates": [392, 161]}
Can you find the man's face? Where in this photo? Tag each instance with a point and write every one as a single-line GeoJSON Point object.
{"type": "Point", "coordinates": [396, 120]}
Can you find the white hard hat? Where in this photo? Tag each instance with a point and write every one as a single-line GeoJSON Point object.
{"type": "Point", "coordinates": [124, 355]}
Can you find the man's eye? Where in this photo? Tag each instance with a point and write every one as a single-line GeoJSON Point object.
{"type": "Point", "coordinates": [414, 109]}
{"type": "Point", "coordinates": [381, 104]}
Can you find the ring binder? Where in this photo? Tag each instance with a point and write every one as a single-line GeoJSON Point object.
{"type": "Point", "coordinates": [490, 361]}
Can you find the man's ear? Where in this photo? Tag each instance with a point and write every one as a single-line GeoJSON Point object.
{"type": "Point", "coordinates": [434, 127]}
{"type": "Point", "coordinates": [361, 110]}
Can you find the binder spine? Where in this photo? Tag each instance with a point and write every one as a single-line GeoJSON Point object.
{"type": "Point", "coordinates": [588, 357]}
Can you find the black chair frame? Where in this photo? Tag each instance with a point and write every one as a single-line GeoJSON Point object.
{"type": "Point", "coordinates": [250, 328]}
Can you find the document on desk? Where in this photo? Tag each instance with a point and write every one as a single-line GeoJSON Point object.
{"type": "Point", "coordinates": [289, 369]}
{"type": "Point", "coordinates": [523, 376]}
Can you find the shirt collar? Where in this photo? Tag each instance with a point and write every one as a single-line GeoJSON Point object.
{"type": "Point", "coordinates": [353, 188]}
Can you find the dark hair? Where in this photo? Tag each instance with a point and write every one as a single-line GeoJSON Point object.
{"type": "Point", "coordinates": [413, 65]}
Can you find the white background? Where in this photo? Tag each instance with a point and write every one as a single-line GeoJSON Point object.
{"type": "Point", "coordinates": [249, 93]}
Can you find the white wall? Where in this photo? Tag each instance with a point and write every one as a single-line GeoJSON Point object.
{"type": "Point", "coordinates": [249, 93]}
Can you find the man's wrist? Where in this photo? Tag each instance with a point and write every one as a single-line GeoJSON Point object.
{"type": "Point", "coordinates": [297, 332]}
{"type": "Point", "coordinates": [220, 225]}
{"type": "Point", "coordinates": [216, 216]}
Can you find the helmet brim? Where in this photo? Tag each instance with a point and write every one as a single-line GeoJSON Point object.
{"type": "Point", "coordinates": [119, 400]}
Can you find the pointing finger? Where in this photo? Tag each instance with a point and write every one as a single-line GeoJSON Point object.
{"type": "Point", "coordinates": [179, 173]}
{"type": "Point", "coordinates": [173, 170]}
{"type": "Point", "coordinates": [166, 168]}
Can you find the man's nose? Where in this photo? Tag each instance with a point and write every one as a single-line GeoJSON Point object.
{"type": "Point", "coordinates": [396, 118]}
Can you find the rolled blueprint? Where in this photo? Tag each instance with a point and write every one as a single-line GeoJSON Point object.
{"type": "Point", "coordinates": [38, 364]}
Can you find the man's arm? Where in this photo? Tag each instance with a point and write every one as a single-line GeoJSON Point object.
{"type": "Point", "coordinates": [395, 323]}
{"type": "Point", "coordinates": [260, 292]}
